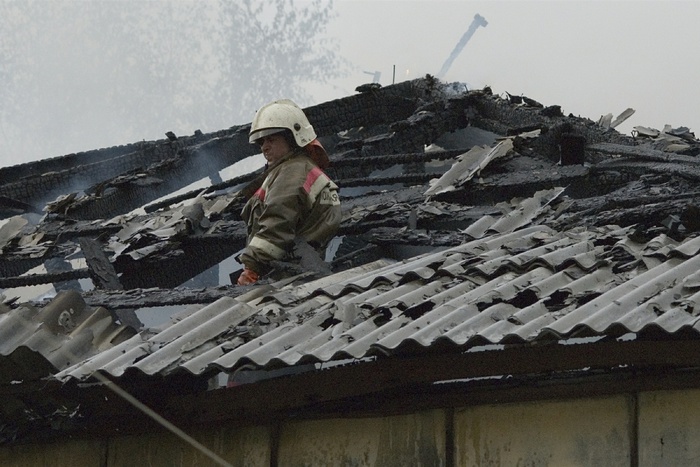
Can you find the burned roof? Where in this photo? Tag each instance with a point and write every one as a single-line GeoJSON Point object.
{"type": "Point", "coordinates": [523, 286]}
{"type": "Point", "coordinates": [469, 220]}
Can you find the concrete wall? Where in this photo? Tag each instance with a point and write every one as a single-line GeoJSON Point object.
{"type": "Point", "coordinates": [594, 432]}
{"type": "Point", "coordinates": [71, 452]}
{"type": "Point", "coordinates": [249, 447]}
{"type": "Point", "coordinates": [658, 428]}
{"type": "Point", "coordinates": [669, 428]}
{"type": "Point", "coordinates": [415, 439]}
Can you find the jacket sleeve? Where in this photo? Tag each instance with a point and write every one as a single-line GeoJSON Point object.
{"type": "Point", "coordinates": [283, 207]}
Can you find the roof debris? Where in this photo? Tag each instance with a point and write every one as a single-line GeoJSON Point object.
{"type": "Point", "coordinates": [468, 219]}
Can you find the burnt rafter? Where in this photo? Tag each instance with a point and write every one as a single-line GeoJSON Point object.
{"type": "Point", "coordinates": [132, 190]}
{"type": "Point", "coordinates": [341, 166]}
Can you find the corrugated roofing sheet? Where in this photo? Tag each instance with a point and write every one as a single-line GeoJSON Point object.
{"type": "Point", "coordinates": [533, 284]}
{"type": "Point", "coordinates": [64, 333]}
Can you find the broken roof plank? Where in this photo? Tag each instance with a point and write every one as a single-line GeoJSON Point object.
{"type": "Point", "coordinates": [101, 270]}
{"type": "Point", "coordinates": [642, 152]}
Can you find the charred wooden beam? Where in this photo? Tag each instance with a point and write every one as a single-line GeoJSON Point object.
{"type": "Point", "coordinates": [179, 262]}
{"type": "Point", "coordinates": [155, 297]}
{"type": "Point", "coordinates": [338, 163]}
{"type": "Point", "coordinates": [127, 192]}
{"type": "Point", "coordinates": [435, 238]}
{"type": "Point", "coordinates": [224, 185]}
{"type": "Point", "coordinates": [503, 117]}
{"type": "Point", "coordinates": [499, 187]}
{"type": "Point", "coordinates": [37, 279]}
{"type": "Point", "coordinates": [642, 152]}
{"type": "Point", "coordinates": [386, 105]}
{"type": "Point", "coordinates": [39, 182]}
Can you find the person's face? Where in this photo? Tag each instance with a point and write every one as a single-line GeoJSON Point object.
{"type": "Point", "coordinates": [274, 147]}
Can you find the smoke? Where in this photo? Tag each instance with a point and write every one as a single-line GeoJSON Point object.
{"type": "Point", "coordinates": [86, 75]}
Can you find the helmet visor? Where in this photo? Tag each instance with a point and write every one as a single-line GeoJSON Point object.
{"type": "Point", "coordinates": [259, 134]}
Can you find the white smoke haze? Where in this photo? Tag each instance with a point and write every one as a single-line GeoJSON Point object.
{"type": "Point", "coordinates": [81, 75]}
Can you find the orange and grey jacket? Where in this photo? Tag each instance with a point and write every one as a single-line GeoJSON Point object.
{"type": "Point", "coordinates": [296, 199]}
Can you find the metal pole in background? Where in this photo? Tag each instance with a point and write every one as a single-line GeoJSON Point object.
{"type": "Point", "coordinates": [478, 21]}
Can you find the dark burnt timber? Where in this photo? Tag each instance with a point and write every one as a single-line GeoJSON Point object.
{"type": "Point", "coordinates": [382, 387]}
{"type": "Point", "coordinates": [101, 270]}
{"type": "Point", "coordinates": [377, 144]}
{"type": "Point", "coordinates": [139, 298]}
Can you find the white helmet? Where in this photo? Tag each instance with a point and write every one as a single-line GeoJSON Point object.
{"type": "Point", "coordinates": [279, 116]}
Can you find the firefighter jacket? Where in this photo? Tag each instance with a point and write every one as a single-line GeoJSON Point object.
{"type": "Point", "coordinates": [296, 199]}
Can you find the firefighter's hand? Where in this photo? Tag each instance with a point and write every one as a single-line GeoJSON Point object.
{"type": "Point", "coordinates": [248, 277]}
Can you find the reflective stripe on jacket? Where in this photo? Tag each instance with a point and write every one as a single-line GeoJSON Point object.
{"type": "Point", "coordinates": [296, 199]}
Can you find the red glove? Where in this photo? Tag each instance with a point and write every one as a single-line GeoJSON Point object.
{"type": "Point", "coordinates": [248, 277]}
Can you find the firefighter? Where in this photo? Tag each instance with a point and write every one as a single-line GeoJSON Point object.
{"type": "Point", "coordinates": [297, 200]}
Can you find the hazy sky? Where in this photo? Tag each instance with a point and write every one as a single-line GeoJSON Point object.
{"type": "Point", "coordinates": [590, 57]}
